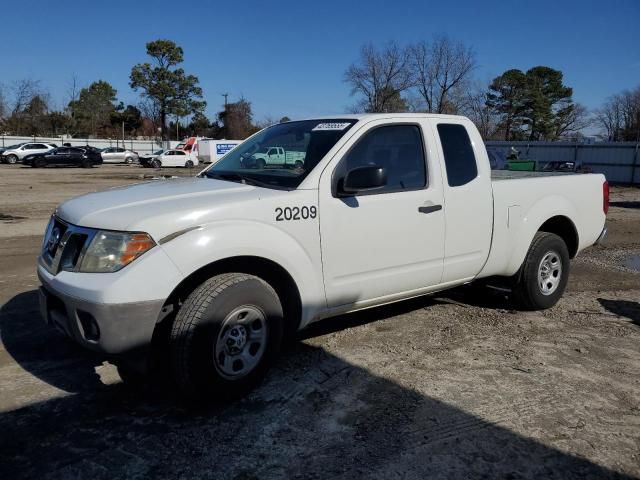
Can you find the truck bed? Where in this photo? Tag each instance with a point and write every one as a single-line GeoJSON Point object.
{"type": "Point", "coordinates": [512, 175]}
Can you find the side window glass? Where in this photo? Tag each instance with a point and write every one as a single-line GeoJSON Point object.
{"type": "Point", "coordinates": [398, 149]}
{"type": "Point", "coordinates": [459, 159]}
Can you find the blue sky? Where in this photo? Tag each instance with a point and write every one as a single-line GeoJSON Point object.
{"type": "Point", "coordinates": [288, 57]}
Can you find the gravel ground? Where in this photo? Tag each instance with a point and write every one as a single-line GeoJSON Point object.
{"type": "Point", "coordinates": [450, 386]}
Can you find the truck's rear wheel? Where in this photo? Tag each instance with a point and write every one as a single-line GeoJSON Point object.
{"type": "Point", "coordinates": [543, 276]}
{"type": "Point", "coordinates": [260, 163]}
{"type": "Point", "coordinates": [225, 336]}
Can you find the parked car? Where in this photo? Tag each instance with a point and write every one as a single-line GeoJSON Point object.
{"type": "Point", "coordinates": [14, 155]}
{"type": "Point", "coordinates": [10, 147]}
{"type": "Point", "coordinates": [145, 160]}
{"type": "Point", "coordinates": [221, 267]}
{"type": "Point", "coordinates": [118, 155]}
{"type": "Point", "coordinates": [85, 157]}
{"type": "Point", "coordinates": [174, 158]}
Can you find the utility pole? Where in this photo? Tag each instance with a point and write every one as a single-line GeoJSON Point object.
{"type": "Point", "coordinates": [225, 95]}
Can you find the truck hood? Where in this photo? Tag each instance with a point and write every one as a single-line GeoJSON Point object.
{"type": "Point", "coordinates": [159, 207]}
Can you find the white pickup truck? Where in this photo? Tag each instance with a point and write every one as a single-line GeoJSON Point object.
{"type": "Point", "coordinates": [277, 156]}
{"type": "Point", "coordinates": [215, 270]}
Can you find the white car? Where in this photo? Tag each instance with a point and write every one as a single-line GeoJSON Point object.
{"type": "Point", "coordinates": [118, 155]}
{"type": "Point", "coordinates": [174, 158]}
{"type": "Point", "coordinates": [219, 268]}
{"type": "Point", "coordinates": [18, 152]}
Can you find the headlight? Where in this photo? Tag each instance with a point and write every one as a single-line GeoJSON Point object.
{"type": "Point", "coordinates": [111, 251]}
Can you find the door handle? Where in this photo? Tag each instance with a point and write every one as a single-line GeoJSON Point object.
{"type": "Point", "coordinates": [430, 208]}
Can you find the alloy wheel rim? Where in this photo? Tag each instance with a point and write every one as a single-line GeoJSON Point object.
{"type": "Point", "coordinates": [549, 272]}
{"type": "Point", "coordinates": [241, 342]}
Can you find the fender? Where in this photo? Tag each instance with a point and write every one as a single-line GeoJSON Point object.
{"type": "Point", "coordinates": [230, 238]}
{"type": "Point", "coordinates": [530, 223]}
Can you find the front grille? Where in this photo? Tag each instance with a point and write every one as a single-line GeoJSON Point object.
{"type": "Point", "coordinates": [64, 245]}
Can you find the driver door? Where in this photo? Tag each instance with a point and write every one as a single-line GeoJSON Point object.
{"type": "Point", "coordinates": [386, 243]}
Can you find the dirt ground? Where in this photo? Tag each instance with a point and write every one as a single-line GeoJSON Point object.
{"type": "Point", "coordinates": [443, 387]}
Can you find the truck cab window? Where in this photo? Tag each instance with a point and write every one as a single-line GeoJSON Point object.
{"type": "Point", "coordinates": [396, 148]}
{"type": "Point", "coordinates": [459, 158]}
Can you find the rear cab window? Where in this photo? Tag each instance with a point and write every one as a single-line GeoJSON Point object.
{"type": "Point", "coordinates": [460, 161]}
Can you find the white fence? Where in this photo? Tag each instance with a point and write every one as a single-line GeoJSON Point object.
{"type": "Point", "coordinates": [141, 146]}
{"type": "Point", "coordinates": [619, 161]}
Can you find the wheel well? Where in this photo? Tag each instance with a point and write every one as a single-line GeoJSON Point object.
{"type": "Point", "coordinates": [271, 272]}
{"type": "Point", "coordinates": [565, 229]}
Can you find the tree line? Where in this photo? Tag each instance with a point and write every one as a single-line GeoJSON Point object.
{"type": "Point", "coordinates": [167, 92]}
{"type": "Point", "coordinates": [437, 76]}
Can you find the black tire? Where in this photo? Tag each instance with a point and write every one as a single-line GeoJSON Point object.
{"type": "Point", "coordinates": [529, 289]}
{"type": "Point", "coordinates": [260, 163]}
{"type": "Point", "coordinates": [206, 319]}
{"type": "Point", "coordinates": [128, 160]}
{"type": "Point", "coordinates": [86, 163]}
{"type": "Point", "coordinates": [39, 163]}
{"type": "Point", "coordinates": [156, 163]}
{"type": "Point", "coordinates": [298, 164]}
{"type": "Point", "coordinates": [188, 164]}
{"type": "Point", "coordinates": [12, 159]}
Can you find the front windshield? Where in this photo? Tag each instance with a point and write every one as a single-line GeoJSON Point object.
{"type": "Point", "coordinates": [282, 155]}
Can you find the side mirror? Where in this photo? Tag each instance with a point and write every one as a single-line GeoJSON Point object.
{"type": "Point", "coordinates": [364, 179]}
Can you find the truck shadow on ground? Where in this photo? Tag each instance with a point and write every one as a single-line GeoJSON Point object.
{"type": "Point", "coordinates": [316, 416]}
{"type": "Point", "coordinates": [623, 308]}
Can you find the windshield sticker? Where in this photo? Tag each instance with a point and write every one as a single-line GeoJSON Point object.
{"type": "Point", "coordinates": [330, 126]}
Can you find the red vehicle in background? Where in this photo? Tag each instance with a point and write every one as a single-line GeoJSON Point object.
{"type": "Point", "coordinates": [190, 145]}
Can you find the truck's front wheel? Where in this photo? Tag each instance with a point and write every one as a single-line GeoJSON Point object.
{"type": "Point", "coordinates": [543, 276]}
{"type": "Point", "coordinates": [225, 336]}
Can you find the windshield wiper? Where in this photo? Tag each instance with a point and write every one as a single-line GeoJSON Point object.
{"type": "Point", "coordinates": [238, 178]}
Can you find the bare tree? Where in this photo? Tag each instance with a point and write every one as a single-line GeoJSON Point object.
{"type": "Point", "coordinates": [475, 106]}
{"type": "Point", "coordinates": [3, 103]}
{"type": "Point", "coordinates": [23, 92]}
{"type": "Point", "coordinates": [25, 95]}
{"type": "Point", "coordinates": [380, 76]}
{"type": "Point", "coordinates": [150, 110]}
{"type": "Point", "coordinates": [572, 120]}
{"type": "Point", "coordinates": [619, 116]}
{"type": "Point", "coordinates": [440, 70]}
